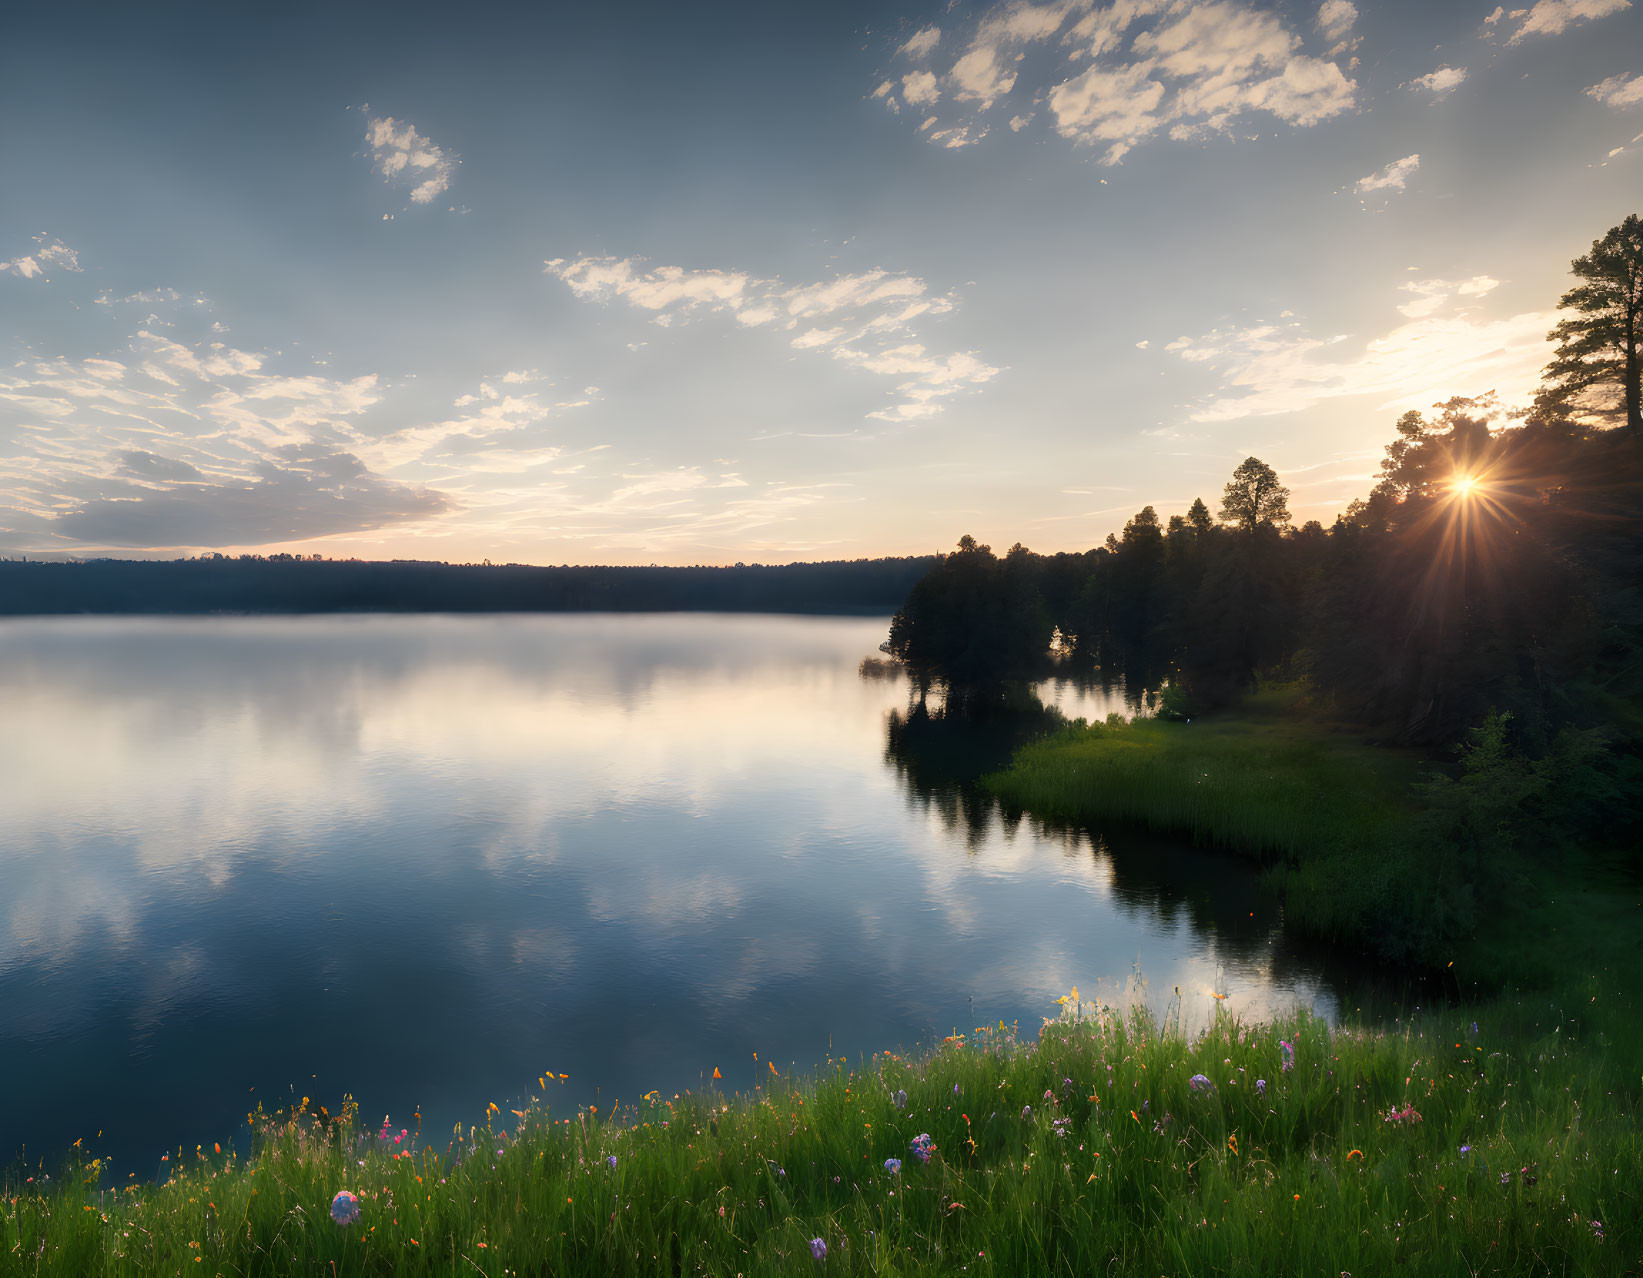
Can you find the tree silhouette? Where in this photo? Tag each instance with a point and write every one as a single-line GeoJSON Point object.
{"type": "Point", "coordinates": [1255, 497]}
{"type": "Point", "coordinates": [1597, 366]}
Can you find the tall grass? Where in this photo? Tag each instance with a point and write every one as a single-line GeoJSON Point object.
{"type": "Point", "coordinates": [1332, 818]}
{"type": "Point", "coordinates": [1438, 1147]}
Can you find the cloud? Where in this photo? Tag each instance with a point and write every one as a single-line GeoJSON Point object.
{"type": "Point", "coordinates": [1553, 17]}
{"type": "Point", "coordinates": [1115, 75]}
{"type": "Point", "coordinates": [295, 493]}
{"type": "Point", "coordinates": [918, 88]}
{"type": "Point", "coordinates": [865, 320]}
{"type": "Point", "coordinates": [1618, 91]}
{"type": "Point", "coordinates": [500, 433]}
{"type": "Point", "coordinates": [1393, 177]}
{"type": "Point", "coordinates": [1335, 20]}
{"type": "Point", "coordinates": [1441, 348]}
{"type": "Point", "coordinates": [1440, 83]}
{"type": "Point", "coordinates": [52, 252]}
{"type": "Point", "coordinates": [407, 159]}
{"type": "Point", "coordinates": [184, 444]}
{"type": "Point", "coordinates": [922, 43]}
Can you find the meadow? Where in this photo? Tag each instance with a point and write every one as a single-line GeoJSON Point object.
{"type": "Point", "coordinates": [1373, 848]}
{"type": "Point", "coordinates": [1497, 1140]}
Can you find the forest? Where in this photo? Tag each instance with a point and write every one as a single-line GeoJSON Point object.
{"type": "Point", "coordinates": [1479, 609]}
{"type": "Point", "coordinates": [284, 583]}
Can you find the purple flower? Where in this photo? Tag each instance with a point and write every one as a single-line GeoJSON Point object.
{"type": "Point", "coordinates": [1466, 1149]}
{"type": "Point", "coordinates": [899, 1099]}
{"type": "Point", "coordinates": [344, 1208]}
{"type": "Point", "coordinates": [1260, 1086]}
{"type": "Point", "coordinates": [921, 1147]}
{"type": "Point", "coordinates": [1289, 1055]}
{"type": "Point", "coordinates": [893, 1166]}
{"type": "Point", "coordinates": [955, 1089]}
{"type": "Point", "coordinates": [1026, 1113]}
{"type": "Point", "coordinates": [612, 1162]}
{"type": "Point", "coordinates": [818, 1249]}
{"type": "Point", "coordinates": [1200, 1083]}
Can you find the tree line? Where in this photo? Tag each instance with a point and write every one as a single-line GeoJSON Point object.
{"type": "Point", "coordinates": [286, 583]}
{"type": "Point", "coordinates": [1495, 566]}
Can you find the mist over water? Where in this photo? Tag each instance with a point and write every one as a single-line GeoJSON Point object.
{"type": "Point", "coordinates": [425, 859]}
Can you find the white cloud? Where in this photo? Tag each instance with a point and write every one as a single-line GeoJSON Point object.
{"type": "Point", "coordinates": [1553, 17]}
{"type": "Point", "coordinates": [918, 88]}
{"type": "Point", "coordinates": [1120, 106]}
{"type": "Point", "coordinates": [1431, 296]}
{"type": "Point", "coordinates": [871, 318]}
{"type": "Point", "coordinates": [406, 158]}
{"type": "Point", "coordinates": [1120, 73]}
{"type": "Point", "coordinates": [52, 252]}
{"type": "Point", "coordinates": [1440, 83]}
{"type": "Point", "coordinates": [1336, 18]}
{"type": "Point", "coordinates": [188, 444]}
{"type": "Point", "coordinates": [144, 297]}
{"type": "Point", "coordinates": [1618, 91]}
{"type": "Point", "coordinates": [921, 44]}
{"type": "Point", "coordinates": [979, 77]}
{"type": "Point", "coordinates": [1442, 348]}
{"type": "Point", "coordinates": [1394, 177]}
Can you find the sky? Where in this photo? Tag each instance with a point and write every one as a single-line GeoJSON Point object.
{"type": "Point", "coordinates": [632, 283]}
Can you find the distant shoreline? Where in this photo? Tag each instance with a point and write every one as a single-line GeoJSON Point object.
{"type": "Point", "coordinates": [288, 586]}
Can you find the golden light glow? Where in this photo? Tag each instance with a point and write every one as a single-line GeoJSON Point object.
{"type": "Point", "coordinates": [1464, 485]}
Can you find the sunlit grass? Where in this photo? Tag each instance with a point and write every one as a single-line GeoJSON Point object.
{"type": "Point", "coordinates": [1085, 1151]}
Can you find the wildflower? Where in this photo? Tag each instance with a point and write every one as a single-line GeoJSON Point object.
{"type": "Point", "coordinates": [818, 1249]}
{"type": "Point", "coordinates": [1505, 1178]}
{"type": "Point", "coordinates": [921, 1147]}
{"type": "Point", "coordinates": [1200, 1083]}
{"type": "Point", "coordinates": [955, 1089]}
{"type": "Point", "coordinates": [1026, 1112]}
{"type": "Point", "coordinates": [1597, 1230]}
{"type": "Point", "coordinates": [1289, 1055]}
{"type": "Point", "coordinates": [1260, 1086]}
{"type": "Point", "coordinates": [611, 1161]}
{"type": "Point", "coordinates": [899, 1099]}
{"type": "Point", "coordinates": [1466, 1149]}
{"type": "Point", "coordinates": [344, 1208]}
{"type": "Point", "coordinates": [893, 1166]}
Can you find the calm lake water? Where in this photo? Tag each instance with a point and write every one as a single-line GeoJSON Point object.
{"type": "Point", "coordinates": [425, 859]}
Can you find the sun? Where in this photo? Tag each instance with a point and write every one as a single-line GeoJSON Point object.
{"type": "Point", "coordinates": [1464, 485]}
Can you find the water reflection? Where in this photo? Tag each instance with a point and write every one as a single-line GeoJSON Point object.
{"type": "Point", "coordinates": [424, 859]}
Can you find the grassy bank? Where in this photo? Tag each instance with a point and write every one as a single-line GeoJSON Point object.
{"type": "Point", "coordinates": [1506, 1147]}
{"type": "Point", "coordinates": [1339, 825]}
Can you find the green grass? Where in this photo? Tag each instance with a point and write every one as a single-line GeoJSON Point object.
{"type": "Point", "coordinates": [1122, 1168]}
{"type": "Point", "coordinates": [1328, 814]}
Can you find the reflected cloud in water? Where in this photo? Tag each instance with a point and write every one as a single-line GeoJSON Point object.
{"type": "Point", "coordinates": [423, 859]}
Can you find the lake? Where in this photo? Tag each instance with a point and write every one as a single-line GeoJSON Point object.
{"type": "Point", "coordinates": [424, 859]}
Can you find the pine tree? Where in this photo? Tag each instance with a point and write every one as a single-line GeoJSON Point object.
{"type": "Point", "coordinates": [1598, 363]}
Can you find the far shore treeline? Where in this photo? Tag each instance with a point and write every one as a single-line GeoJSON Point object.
{"type": "Point", "coordinates": [304, 584]}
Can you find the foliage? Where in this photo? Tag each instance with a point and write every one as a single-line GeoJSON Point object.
{"type": "Point", "coordinates": [1500, 1140]}
{"type": "Point", "coordinates": [973, 618]}
{"type": "Point", "coordinates": [1254, 497]}
{"type": "Point", "coordinates": [1599, 359]}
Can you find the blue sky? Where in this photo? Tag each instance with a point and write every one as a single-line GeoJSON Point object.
{"type": "Point", "coordinates": [698, 284]}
